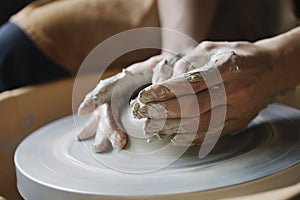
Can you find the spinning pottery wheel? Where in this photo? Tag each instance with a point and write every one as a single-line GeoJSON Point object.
{"type": "Point", "coordinates": [52, 164]}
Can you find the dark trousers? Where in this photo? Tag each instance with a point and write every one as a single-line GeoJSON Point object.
{"type": "Point", "coordinates": [21, 62]}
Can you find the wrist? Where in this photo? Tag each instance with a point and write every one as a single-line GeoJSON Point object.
{"type": "Point", "coordinates": [175, 46]}
{"type": "Point", "coordinates": [171, 52]}
{"type": "Point", "coordinates": [276, 62]}
{"type": "Point", "coordinates": [287, 48]}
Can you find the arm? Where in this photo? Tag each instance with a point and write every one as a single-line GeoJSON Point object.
{"type": "Point", "coordinates": [286, 48]}
{"type": "Point", "coordinates": [190, 17]}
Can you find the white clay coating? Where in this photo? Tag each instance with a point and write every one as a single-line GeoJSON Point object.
{"type": "Point", "coordinates": [138, 140]}
{"type": "Point", "coordinates": [133, 127]}
{"type": "Point", "coordinates": [117, 84]}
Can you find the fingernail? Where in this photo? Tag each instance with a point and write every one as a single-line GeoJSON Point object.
{"type": "Point", "coordinates": [146, 95]}
{"type": "Point", "coordinates": [153, 110]}
{"type": "Point", "coordinates": [163, 92]}
{"type": "Point", "coordinates": [135, 107]}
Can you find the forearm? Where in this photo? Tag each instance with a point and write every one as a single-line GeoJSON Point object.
{"type": "Point", "coordinates": [286, 48]}
{"type": "Point", "coordinates": [190, 17]}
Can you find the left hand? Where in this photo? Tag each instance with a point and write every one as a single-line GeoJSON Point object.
{"type": "Point", "coordinates": [107, 99]}
{"type": "Point", "coordinates": [248, 74]}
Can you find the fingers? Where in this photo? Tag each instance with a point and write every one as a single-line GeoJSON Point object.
{"type": "Point", "coordinates": [184, 106]}
{"type": "Point", "coordinates": [90, 127]}
{"type": "Point", "coordinates": [100, 94]}
{"type": "Point", "coordinates": [117, 137]}
{"type": "Point", "coordinates": [101, 142]}
{"type": "Point", "coordinates": [124, 82]}
{"type": "Point", "coordinates": [117, 90]}
{"type": "Point", "coordinates": [145, 66]}
{"type": "Point", "coordinates": [87, 106]}
{"type": "Point", "coordinates": [169, 127]}
{"type": "Point", "coordinates": [164, 70]}
{"type": "Point", "coordinates": [198, 124]}
{"type": "Point", "coordinates": [193, 131]}
{"type": "Point", "coordinates": [108, 131]}
{"type": "Point", "coordinates": [185, 84]}
{"type": "Point", "coordinates": [95, 126]}
{"type": "Point", "coordinates": [170, 89]}
{"type": "Point", "coordinates": [192, 139]}
{"type": "Point", "coordinates": [192, 76]}
{"type": "Point", "coordinates": [194, 60]}
{"type": "Point", "coordinates": [231, 125]}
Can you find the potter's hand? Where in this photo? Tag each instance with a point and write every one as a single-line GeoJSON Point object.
{"type": "Point", "coordinates": [107, 99]}
{"type": "Point", "coordinates": [249, 77]}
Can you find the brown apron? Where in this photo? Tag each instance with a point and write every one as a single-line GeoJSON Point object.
{"type": "Point", "coordinates": [67, 30]}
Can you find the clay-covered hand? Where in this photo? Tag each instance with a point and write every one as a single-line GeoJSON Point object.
{"type": "Point", "coordinates": [107, 99]}
{"type": "Point", "coordinates": [236, 77]}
